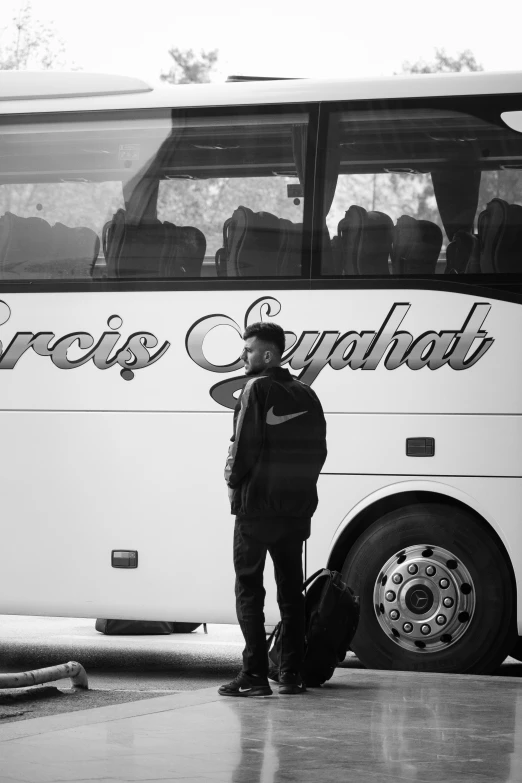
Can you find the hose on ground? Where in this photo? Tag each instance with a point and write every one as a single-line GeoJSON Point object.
{"type": "Point", "coordinates": [73, 669]}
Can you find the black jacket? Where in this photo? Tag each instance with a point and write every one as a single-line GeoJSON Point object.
{"type": "Point", "coordinates": [278, 448]}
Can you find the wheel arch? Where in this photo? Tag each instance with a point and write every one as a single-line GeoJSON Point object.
{"type": "Point", "coordinates": [401, 495]}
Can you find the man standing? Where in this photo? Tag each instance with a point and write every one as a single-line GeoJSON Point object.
{"type": "Point", "coordinates": [278, 449]}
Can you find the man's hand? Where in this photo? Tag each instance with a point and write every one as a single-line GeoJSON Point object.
{"type": "Point", "coordinates": [230, 494]}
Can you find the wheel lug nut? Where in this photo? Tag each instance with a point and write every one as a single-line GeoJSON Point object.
{"type": "Point", "coordinates": [407, 627]}
{"type": "Point", "coordinates": [448, 602]}
{"type": "Point", "coordinates": [397, 579]}
{"type": "Point", "coordinates": [430, 570]}
{"type": "Point", "coordinates": [425, 630]}
{"type": "Point", "coordinates": [390, 595]}
{"type": "Point", "coordinates": [444, 583]}
{"type": "Point", "coordinates": [394, 614]}
{"type": "Point", "coordinates": [412, 568]}
{"type": "Point", "coordinates": [440, 619]}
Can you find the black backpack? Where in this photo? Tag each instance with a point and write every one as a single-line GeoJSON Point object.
{"type": "Point", "coordinates": [332, 613]}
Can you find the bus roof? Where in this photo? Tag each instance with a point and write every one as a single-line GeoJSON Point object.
{"type": "Point", "coordinates": [48, 91]}
{"type": "Point", "coordinates": [48, 85]}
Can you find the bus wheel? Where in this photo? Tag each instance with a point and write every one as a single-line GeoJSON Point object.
{"type": "Point", "coordinates": [436, 592]}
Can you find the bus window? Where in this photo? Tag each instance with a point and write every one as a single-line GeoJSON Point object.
{"type": "Point", "coordinates": [420, 192]}
{"type": "Point", "coordinates": [51, 230]}
{"type": "Point", "coordinates": [240, 181]}
{"type": "Point", "coordinates": [150, 195]}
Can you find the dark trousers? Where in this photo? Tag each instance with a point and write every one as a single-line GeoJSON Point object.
{"type": "Point", "coordinates": [284, 542]}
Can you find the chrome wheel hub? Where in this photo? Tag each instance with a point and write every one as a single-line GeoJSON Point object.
{"type": "Point", "coordinates": [424, 598]}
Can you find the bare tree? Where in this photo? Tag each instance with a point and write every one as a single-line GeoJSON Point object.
{"type": "Point", "coordinates": [189, 67]}
{"type": "Point", "coordinates": [29, 43]}
{"type": "Point", "coordinates": [445, 63]}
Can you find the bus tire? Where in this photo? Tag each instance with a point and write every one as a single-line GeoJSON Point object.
{"type": "Point", "coordinates": [436, 592]}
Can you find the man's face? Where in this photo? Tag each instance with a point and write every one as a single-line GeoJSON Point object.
{"type": "Point", "coordinates": [254, 356]}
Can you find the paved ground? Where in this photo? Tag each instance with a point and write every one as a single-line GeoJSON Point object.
{"type": "Point", "coordinates": [121, 669]}
{"type": "Point", "coordinates": [363, 725]}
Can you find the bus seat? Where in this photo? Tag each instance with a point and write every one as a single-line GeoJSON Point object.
{"type": "Point", "coordinates": [289, 262]}
{"type": "Point", "coordinates": [365, 241]}
{"type": "Point", "coordinates": [332, 264]}
{"type": "Point", "coordinates": [190, 248]}
{"type": "Point", "coordinates": [251, 245]}
{"type": "Point", "coordinates": [349, 231]}
{"type": "Point", "coordinates": [462, 254]}
{"type": "Point", "coordinates": [221, 262]}
{"type": "Point", "coordinates": [77, 247]}
{"type": "Point", "coordinates": [151, 248]}
{"type": "Point", "coordinates": [473, 265]}
{"type": "Point", "coordinates": [500, 237]}
{"type": "Point", "coordinates": [49, 252]}
{"type": "Point", "coordinates": [23, 241]}
{"type": "Point", "coordinates": [222, 253]}
{"type": "Point", "coordinates": [135, 249]}
{"type": "Point", "coordinates": [416, 246]}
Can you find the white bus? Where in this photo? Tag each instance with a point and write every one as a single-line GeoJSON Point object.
{"type": "Point", "coordinates": [379, 222]}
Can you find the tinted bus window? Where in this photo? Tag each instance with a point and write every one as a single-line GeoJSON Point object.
{"type": "Point", "coordinates": [422, 191]}
{"type": "Point", "coordinates": [154, 195]}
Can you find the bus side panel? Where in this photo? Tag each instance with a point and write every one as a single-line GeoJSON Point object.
{"type": "Point", "coordinates": [199, 333]}
{"type": "Point", "coordinates": [76, 486]}
{"type": "Point", "coordinates": [470, 445]}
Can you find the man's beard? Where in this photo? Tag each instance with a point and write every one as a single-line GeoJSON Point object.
{"type": "Point", "coordinates": [254, 371]}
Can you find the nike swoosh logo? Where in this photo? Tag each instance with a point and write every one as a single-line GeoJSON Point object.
{"type": "Point", "coordinates": [244, 690]}
{"type": "Point", "coordinates": [271, 418]}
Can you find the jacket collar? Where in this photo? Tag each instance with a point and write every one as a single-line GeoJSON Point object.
{"type": "Point", "coordinates": [278, 373]}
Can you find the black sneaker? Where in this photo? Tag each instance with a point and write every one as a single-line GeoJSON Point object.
{"type": "Point", "coordinates": [245, 685]}
{"type": "Point", "coordinates": [291, 683]}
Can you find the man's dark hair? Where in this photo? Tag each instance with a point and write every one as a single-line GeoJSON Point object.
{"type": "Point", "coordinates": [268, 333]}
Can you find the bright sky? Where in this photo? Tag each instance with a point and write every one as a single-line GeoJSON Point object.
{"type": "Point", "coordinates": [280, 37]}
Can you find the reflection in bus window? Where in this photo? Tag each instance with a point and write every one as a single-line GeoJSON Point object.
{"type": "Point", "coordinates": [152, 196]}
{"type": "Point", "coordinates": [421, 192]}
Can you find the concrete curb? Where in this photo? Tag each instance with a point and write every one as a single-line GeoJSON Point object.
{"type": "Point", "coordinates": [129, 709]}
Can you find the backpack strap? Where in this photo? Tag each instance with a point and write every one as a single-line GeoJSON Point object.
{"type": "Point", "coordinates": [321, 572]}
{"type": "Point", "coordinates": [274, 632]}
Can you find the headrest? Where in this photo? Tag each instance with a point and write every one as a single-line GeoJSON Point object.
{"type": "Point", "coordinates": [416, 247]}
